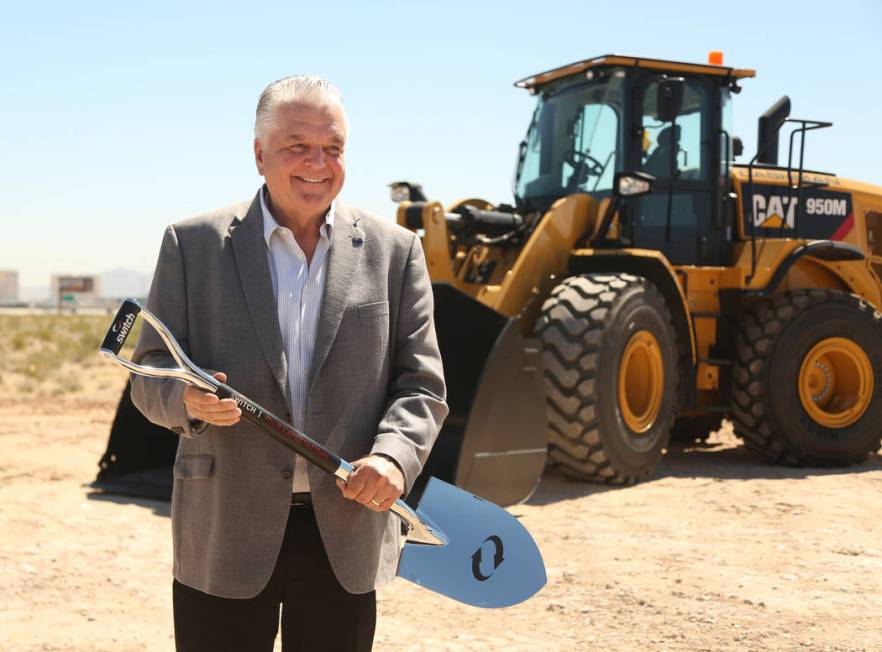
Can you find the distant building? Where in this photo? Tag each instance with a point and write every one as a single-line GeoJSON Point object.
{"type": "Point", "coordinates": [8, 286]}
{"type": "Point", "coordinates": [74, 291]}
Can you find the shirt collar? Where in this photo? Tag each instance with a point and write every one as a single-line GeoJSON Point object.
{"type": "Point", "coordinates": [270, 225]}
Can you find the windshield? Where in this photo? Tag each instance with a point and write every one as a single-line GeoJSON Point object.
{"type": "Point", "coordinates": [573, 141]}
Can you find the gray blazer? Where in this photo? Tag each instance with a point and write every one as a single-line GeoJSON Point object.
{"type": "Point", "coordinates": [376, 386]}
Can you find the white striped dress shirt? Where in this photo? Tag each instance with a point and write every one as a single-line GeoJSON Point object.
{"type": "Point", "coordinates": [298, 287]}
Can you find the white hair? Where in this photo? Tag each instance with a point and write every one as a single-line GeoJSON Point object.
{"type": "Point", "coordinates": [297, 89]}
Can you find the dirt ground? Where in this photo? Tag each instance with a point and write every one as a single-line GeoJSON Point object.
{"type": "Point", "coordinates": [718, 551]}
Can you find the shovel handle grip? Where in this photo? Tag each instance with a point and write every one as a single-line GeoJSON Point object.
{"type": "Point", "coordinates": [282, 432]}
{"type": "Point", "coordinates": [121, 327]}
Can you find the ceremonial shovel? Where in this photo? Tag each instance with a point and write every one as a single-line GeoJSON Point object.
{"type": "Point", "coordinates": [457, 544]}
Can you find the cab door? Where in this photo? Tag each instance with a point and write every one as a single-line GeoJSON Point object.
{"type": "Point", "coordinates": [678, 217]}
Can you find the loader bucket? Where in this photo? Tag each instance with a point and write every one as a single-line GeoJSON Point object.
{"type": "Point", "coordinates": [493, 442]}
{"type": "Point", "coordinates": [139, 456]}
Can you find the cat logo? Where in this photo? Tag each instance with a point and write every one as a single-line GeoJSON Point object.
{"type": "Point", "coordinates": [774, 212]}
{"type": "Point", "coordinates": [822, 213]}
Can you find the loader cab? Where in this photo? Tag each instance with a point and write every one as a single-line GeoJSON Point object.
{"type": "Point", "coordinates": [617, 114]}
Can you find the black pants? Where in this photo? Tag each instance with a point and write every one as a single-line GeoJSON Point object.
{"type": "Point", "coordinates": [317, 613]}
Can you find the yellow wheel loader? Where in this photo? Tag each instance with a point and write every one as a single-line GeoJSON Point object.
{"type": "Point", "coordinates": [644, 283]}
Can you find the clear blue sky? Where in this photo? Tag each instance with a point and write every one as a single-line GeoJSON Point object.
{"type": "Point", "coordinates": [119, 118]}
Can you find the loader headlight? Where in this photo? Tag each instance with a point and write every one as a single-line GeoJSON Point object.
{"type": "Point", "coordinates": [633, 184]}
{"type": "Point", "coordinates": [400, 191]}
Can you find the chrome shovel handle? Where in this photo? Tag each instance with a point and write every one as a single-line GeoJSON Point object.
{"type": "Point", "coordinates": [119, 332]}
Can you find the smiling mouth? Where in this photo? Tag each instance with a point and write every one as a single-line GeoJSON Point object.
{"type": "Point", "coordinates": [311, 181]}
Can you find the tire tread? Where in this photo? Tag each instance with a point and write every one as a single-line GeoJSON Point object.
{"type": "Point", "coordinates": [571, 328]}
{"type": "Point", "coordinates": [762, 324]}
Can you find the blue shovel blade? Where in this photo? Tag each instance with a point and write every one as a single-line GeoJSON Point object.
{"type": "Point", "coordinates": [490, 560]}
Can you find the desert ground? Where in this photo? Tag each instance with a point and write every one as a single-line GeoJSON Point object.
{"type": "Point", "coordinates": [717, 551]}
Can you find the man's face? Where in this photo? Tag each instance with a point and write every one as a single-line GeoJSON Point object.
{"type": "Point", "coordinates": [301, 160]}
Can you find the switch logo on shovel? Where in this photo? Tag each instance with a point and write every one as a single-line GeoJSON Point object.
{"type": "Point", "coordinates": [478, 556]}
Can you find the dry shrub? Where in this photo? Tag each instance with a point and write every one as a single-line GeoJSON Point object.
{"type": "Point", "coordinates": [53, 353]}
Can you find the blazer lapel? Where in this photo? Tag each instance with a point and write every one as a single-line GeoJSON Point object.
{"type": "Point", "coordinates": [249, 250]}
{"type": "Point", "coordinates": [343, 259]}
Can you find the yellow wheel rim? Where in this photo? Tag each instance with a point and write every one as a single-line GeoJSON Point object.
{"type": "Point", "coordinates": [641, 381]}
{"type": "Point", "coordinates": [836, 382]}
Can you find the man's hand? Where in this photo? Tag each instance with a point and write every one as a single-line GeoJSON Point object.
{"type": "Point", "coordinates": [207, 407]}
{"type": "Point", "coordinates": [376, 483]}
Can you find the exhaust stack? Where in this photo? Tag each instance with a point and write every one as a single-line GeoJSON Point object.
{"type": "Point", "coordinates": [767, 136]}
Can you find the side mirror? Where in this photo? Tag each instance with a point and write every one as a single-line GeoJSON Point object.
{"type": "Point", "coordinates": [400, 191]}
{"type": "Point", "coordinates": [669, 99]}
{"type": "Point", "coordinates": [737, 147]}
{"type": "Point", "coordinates": [632, 184]}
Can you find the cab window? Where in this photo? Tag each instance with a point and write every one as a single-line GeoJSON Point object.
{"type": "Point", "coordinates": [676, 149]}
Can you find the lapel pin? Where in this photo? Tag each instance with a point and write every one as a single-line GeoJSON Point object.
{"type": "Point", "coordinates": [357, 241]}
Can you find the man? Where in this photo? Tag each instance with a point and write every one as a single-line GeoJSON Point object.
{"type": "Point", "coordinates": [323, 314]}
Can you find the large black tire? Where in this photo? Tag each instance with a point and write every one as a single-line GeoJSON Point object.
{"type": "Point", "coordinates": [585, 327]}
{"type": "Point", "coordinates": [776, 337]}
{"type": "Point", "coordinates": [692, 427]}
